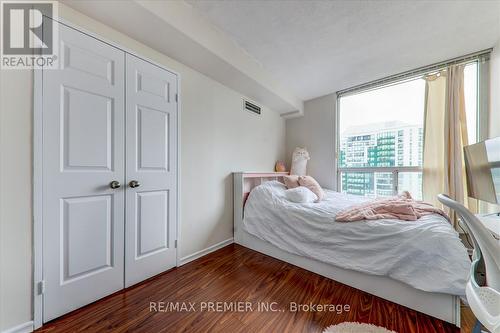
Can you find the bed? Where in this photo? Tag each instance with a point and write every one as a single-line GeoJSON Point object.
{"type": "Point", "coordinates": [392, 259]}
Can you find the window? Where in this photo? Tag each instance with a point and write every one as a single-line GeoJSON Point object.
{"type": "Point", "coordinates": [380, 136]}
{"type": "Point", "coordinates": [471, 100]}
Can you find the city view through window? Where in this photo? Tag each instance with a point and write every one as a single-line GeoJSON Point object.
{"type": "Point", "coordinates": [384, 129]}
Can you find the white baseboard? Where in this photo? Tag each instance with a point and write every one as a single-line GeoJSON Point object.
{"type": "Point", "coordinates": [23, 328]}
{"type": "Point", "coordinates": [199, 254]}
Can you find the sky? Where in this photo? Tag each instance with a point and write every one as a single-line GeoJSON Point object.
{"type": "Point", "coordinates": [403, 102]}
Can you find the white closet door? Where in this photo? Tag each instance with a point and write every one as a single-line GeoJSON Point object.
{"type": "Point", "coordinates": [151, 141]}
{"type": "Point", "coordinates": [83, 152]}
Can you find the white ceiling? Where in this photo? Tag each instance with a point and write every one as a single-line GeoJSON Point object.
{"type": "Point", "coordinates": [318, 47]}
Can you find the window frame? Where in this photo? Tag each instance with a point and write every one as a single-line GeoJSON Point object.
{"type": "Point", "coordinates": [481, 122]}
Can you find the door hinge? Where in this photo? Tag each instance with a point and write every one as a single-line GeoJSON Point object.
{"type": "Point", "coordinates": [176, 97]}
{"type": "Point", "coordinates": [175, 243]}
{"type": "Point", "coordinates": [41, 287]}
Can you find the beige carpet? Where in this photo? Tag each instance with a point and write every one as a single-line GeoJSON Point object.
{"type": "Point", "coordinates": [356, 328]}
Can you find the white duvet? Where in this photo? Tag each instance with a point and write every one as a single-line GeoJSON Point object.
{"type": "Point", "coordinates": [426, 254]}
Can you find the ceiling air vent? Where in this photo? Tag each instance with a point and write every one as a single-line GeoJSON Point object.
{"type": "Point", "coordinates": [249, 106]}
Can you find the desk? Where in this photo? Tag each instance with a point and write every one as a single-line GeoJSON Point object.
{"type": "Point", "coordinates": [492, 223]}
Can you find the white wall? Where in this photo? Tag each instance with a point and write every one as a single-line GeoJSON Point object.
{"type": "Point", "coordinates": [316, 132]}
{"type": "Point", "coordinates": [15, 197]}
{"type": "Point", "coordinates": [217, 137]}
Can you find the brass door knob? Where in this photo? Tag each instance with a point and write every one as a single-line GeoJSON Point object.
{"type": "Point", "coordinates": [115, 184]}
{"type": "Point", "coordinates": [134, 184]}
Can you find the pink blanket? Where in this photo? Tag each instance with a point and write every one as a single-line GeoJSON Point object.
{"type": "Point", "coordinates": [402, 207]}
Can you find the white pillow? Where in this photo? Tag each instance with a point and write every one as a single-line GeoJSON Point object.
{"type": "Point", "coordinates": [300, 194]}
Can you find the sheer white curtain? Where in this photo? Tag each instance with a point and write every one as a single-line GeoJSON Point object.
{"type": "Point", "coordinates": [445, 136]}
{"type": "Point", "coordinates": [434, 169]}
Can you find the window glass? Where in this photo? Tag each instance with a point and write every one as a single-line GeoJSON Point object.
{"type": "Point", "coordinates": [384, 128]}
{"type": "Point", "coordinates": [470, 93]}
{"type": "Point", "coordinates": [381, 128]}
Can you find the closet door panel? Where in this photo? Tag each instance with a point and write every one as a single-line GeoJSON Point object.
{"type": "Point", "coordinates": [83, 151]}
{"type": "Point", "coordinates": [151, 141]}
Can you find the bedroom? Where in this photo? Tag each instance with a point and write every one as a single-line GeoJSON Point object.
{"type": "Point", "coordinates": [224, 90]}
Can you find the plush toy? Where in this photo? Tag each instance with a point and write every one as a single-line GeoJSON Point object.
{"type": "Point", "coordinates": [300, 157]}
{"type": "Point", "coordinates": [280, 166]}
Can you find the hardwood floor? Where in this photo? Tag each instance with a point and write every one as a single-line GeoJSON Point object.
{"type": "Point", "coordinates": [234, 274]}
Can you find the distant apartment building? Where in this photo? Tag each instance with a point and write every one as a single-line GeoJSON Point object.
{"type": "Point", "coordinates": [388, 144]}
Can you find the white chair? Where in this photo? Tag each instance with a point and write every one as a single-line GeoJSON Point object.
{"type": "Point", "coordinates": [483, 300]}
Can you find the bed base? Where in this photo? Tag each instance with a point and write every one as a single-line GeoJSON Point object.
{"type": "Point", "coordinates": [442, 306]}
